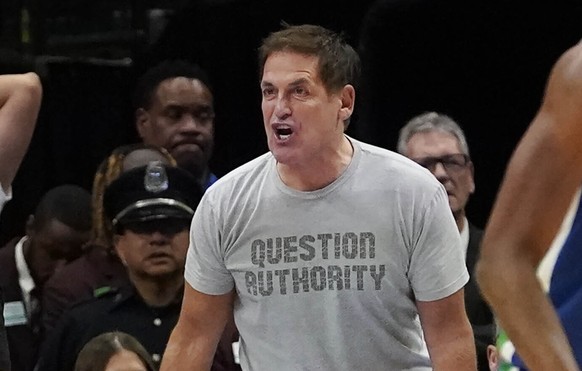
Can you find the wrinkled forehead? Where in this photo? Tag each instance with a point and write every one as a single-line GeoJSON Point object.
{"type": "Point", "coordinates": [290, 65]}
{"type": "Point", "coordinates": [433, 143]}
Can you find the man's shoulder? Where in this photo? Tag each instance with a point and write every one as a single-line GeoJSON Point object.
{"type": "Point", "coordinates": [104, 300]}
{"type": "Point", "coordinates": [8, 260]}
{"type": "Point", "coordinates": [8, 249]}
{"type": "Point", "coordinates": [241, 176]}
{"type": "Point", "coordinates": [394, 168]}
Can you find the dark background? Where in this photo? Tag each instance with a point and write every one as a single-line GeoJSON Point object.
{"type": "Point", "coordinates": [482, 62]}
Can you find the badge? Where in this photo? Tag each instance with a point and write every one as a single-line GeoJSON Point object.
{"type": "Point", "coordinates": [14, 314]}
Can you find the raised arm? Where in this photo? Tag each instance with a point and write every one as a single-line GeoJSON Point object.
{"type": "Point", "coordinates": [541, 179]}
{"type": "Point", "coordinates": [448, 333]}
{"type": "Point", "coordinates": [20, 97]}
{"type": "Point", "coordinates": [194, 339]}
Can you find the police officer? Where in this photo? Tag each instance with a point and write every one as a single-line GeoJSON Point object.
{"type": "Point", "coordinates": [149, 209]}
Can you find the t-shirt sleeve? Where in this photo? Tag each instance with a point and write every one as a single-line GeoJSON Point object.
{"type": "Point", "coordinates": [437, 266]}
{"type": "Point", "coordinates": [205, 269]}
{"type": "Point", "coordinates": [5, 195]}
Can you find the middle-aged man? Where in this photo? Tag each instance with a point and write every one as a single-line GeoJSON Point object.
{"type": "Point", "coordinates": [541, 182]}
{"type": "Point", "coordinates": [55, 235]}
{"type": "Point", "coordinates": [331, 252]}
{"type": "Point", "coordinates": [20, 97]}
{"type": "Point", "coordinates": [149, 209]}
{"type": "Point", "coordinates": [438, 143]}
{"type": "Point", "coordinates": [175, 110]}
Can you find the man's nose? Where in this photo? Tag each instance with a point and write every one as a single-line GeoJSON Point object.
{"type": "Point", "coordinates": [440, 172]}
{"type": "Point", "coordinates": [282, 108]}
{"type": "Point", "coordinates": [158, 238]}
{"type": "Point", "coordinates": [191, 123]}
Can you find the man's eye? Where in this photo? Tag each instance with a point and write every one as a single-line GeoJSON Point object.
{"type": "Point", "coordinates": [204, 115]}
{"type": "Point", "coordinates": [174, 114]}
{"type": "Point", "coordinates": [300, 91]}
{"type": "Point", "coordinates": [268, 92]}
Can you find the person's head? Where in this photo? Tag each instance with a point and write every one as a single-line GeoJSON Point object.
{"type": "Point", "coordinates": [308, 78]}
{"type": "Point", "coordinates": [150, 209]}
{"type": "Point", "coordinates": [60, 226]}
{"type": "Point", "coordinates": [174, 109]}
{"type": "Point", "coordinates": [114, 351]}
{"type": "Point", "coordinates": [438, 143]}
{"type": "Point", "coordinates": [121, 159]}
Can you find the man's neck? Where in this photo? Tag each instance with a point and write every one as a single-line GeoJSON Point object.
{"type": "Point", "coordinates": [460, 219]}
{"type": "Point", "coordinates": [158, 292]}
{"type": "Point", "coordinates": [320, 172]}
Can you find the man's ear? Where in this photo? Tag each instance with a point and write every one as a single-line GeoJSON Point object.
{"type": "Point", "coordinates": [118, 250]}
{"type": "Point", "coordinates": [492, 357]}
{"type": "Point", "coordinates": [29, 228]}
{"type": "Point", "coordinates": [142, 118]}
{"type": "Point", "coordinates": [348, 100]}
{"type": "Point", "coordinates": [472, 169]}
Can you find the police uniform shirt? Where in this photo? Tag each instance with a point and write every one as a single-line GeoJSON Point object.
{"type": "Point", "coordinates": [122, 310]}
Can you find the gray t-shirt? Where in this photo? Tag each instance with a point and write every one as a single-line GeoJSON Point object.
{"type": "Point", "coordinates": [4, 196]}
{"type": "Point", "coordinates": [327, 280]}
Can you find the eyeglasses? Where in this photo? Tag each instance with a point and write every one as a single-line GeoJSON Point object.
{"type": "Point", "coordinates": [451, 163]}
{"type": "Point", "coordinates": [167, 227]}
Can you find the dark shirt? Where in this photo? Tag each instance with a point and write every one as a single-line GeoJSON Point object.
{"type": "Point", "coordinates": [78, 280]}
{"type": "Point", "coordinates": [4, 356]}
{"type": "Point", "coordinates": [22, 331]}
{"type": "Point", "coordinates": [210, 181]}
{"type": "Point", "coordinates": [117, 310]}
{"type": "Point", "coordinates": [478, 312]}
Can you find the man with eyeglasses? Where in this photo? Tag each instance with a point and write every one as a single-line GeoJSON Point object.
{"type": "Point", "coordinates": [437, 142]}
{"type": "Point", "coordinates": [150, 209]}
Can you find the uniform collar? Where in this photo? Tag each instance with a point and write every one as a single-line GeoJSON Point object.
{"type": "Point", "coordinates": [25, 280]}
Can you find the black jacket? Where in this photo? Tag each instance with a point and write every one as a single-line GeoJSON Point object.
{"type": "Point", "coordinates": [23, 339]}
{"type": "Point", "coordinates": [116, 310]}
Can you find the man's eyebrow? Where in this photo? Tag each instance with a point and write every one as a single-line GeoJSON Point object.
{"type": "Point", "coordinates": [173, 106]}
{"type": "Point", "coordinates": [299, 81]}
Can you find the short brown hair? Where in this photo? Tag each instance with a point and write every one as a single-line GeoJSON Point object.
{"type": "Point", "coordinates": [339, 64]}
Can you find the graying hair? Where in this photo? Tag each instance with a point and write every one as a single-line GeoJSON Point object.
{"type": "Point", "coordinates": [431, 121]}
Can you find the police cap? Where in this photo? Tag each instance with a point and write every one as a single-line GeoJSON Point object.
{"type": "Point", "coordinates": [151, 192]}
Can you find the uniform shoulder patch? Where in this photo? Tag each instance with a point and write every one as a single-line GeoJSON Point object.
{"type": "Point", "coordinates": [103, 291]}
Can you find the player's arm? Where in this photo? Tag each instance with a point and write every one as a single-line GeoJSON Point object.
{"type": "Point", "coordinates": [448, 333]}
{"type": "Point", "coordinates": [541, 179]}
{"type": "Point", "coordinates": [20, 97]}
{"type": "Point", "coordinates": [194, 339]}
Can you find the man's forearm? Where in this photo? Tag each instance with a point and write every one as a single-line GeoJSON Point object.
{"type": "Point", "coordinates": [455, 354]}
{"type": "Point", "coordinates": [185, 352]}
{"type": "Point", "coordinates": [526, 314]}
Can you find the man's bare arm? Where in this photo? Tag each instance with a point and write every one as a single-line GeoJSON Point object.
{"type": "Point", "coordinates": [448, 333]}
{"type": "Point", "coordinates": [194, 339]}
{"type": "Point", "coordinates": [20, 97]}
{"type": "Point", "coordinates": [541, 180]}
